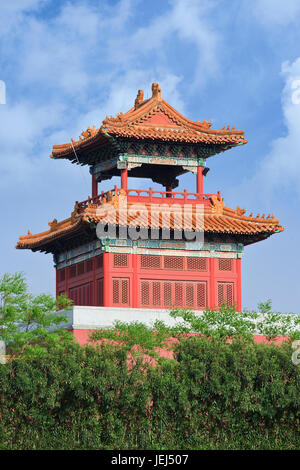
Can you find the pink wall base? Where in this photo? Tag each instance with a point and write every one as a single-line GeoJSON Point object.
{"type": "Point", "coordinates": [82, 337]}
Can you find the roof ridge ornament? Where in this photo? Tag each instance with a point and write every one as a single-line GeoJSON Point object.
{"type": "Point", "coordinates": [139, 99]}
{"type": "Point", "coordinates": [156, 91]}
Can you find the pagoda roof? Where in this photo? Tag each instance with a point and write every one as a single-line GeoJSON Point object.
{"type": "Point", "coordinates": [151, 119]}
{"type": "Point", "coordinates": [218, 219]}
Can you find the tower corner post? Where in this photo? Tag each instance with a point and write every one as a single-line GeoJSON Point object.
{"type": "Point", "coordinates": [212, 294]}
{"type": "Point", "coordinates": [124, 178]}
{"type": "Point", "coordinates": [106, 279]}
{"type": "Point", "coordinates": [199, 181]}
{"type": "Point", "coordinates": [94, 186]}
{"type": "Point", "coordinates": [239, 284]}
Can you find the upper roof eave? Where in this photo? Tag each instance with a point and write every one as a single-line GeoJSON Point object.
{"type": "Point", "coordinates": [133, 124]}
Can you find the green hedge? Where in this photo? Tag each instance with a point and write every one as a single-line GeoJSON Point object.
{"type": "Point", "coordinates": [213, 396]}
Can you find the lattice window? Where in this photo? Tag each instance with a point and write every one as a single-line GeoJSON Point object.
{"type": "Point", "coordinates": [150, 262]}
{"type": "Point", "coordinates": [89, 265]}
{"type": "Point", "coordinates": [225, 264]}
{"type": "Point", "coordinates": [80, 294]}
{"type": "Point", "coordinates": [225, 293]}
{"type": "Point", "coordinates": [201, 294]}
{"type": "Point", "coordinates": [189, 294]}
{"type": "Point", "coordinates": [145, 293]}
{"type": "Point", "coordinates": [80, 268]}
{"type": "Point", "coordinates": [167, 294]}
{"type": "Point", "coordinates": [99, 261]}
{"type": "Point", "coordinates": [120, 260]}
{"type": "Point", "coordinates": [160, 293]}
{"type": "Point", "coordinates": [72, 271]}
{"type": "Point", "coordinates": [116, 293]}
{"type": "Point", "coordinates": [229, 293]}
{"type": "Point", "coordinates": [156, 293]}
{"type": "Point", "coordinates": [120, 289]}
{"type": "Point", "coordinates": [221, 296]}
{"type": "Point", "coordinates": [178, 294]}
{"type": "Point", "coordinates": [124, 291]}
{"type": "Point", "coordinates": [99, 292]}
{"type": "Point", "coordinates": [196, 264]}
{"type": "Point", "coordinates": [62, 275]}
{"type": "Point", "coordinates": [173, 262]}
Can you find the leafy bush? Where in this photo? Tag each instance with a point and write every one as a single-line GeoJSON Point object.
{"type": "Point", "coordinates": [28, 323]}
{"type": "Point", "coordinates": [214, 395]}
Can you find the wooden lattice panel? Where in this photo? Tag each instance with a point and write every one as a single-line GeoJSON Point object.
{"type": "Point", "coordinates": [174, 262]}
{"type": "Point", "coordinates": [145, 292]}
{"type": "Point", "coordinates": [80, 294]}
{"type": "Point", "coordinates": [124, 291]}
{"type": "Point", "coordinates": [62, 275]}
{"type": "Point", "coordinates": [99, 261]}
{"type": "Point", "coordinates": [89, 265]}
{"type": "Point", "coordinates": [201, 295]}
{"type": "Point", "coordinates": [225, 264]}
{"type": "Point", "coordinates": [150, 262]}
{"type": "Point", "coordinates": [178, 295]}
{"type": "Point", "coordinates": [120, 260]}
{"type": "Point", "coordinates": [120, 291]}
{"type": "Point", "coordinates": [168, 294]}
{"type": "Point", "coordinates": [225, 293]}
{"type": "Point", "coordinates": [72, 271]}
{"type": "Point", "coordinates": [99, 292]}
{"type": "Point", "coordinates": [80, 268]}
{"type": "Point", "coordinates": [116, 291]}
{"type": "Point", "coordinates": [156, 297]}
{"type": "Point", "coordinates": [197, 264]}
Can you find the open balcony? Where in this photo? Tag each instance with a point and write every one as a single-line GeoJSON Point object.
{"type": "Point", "coordinates": [147, 196]}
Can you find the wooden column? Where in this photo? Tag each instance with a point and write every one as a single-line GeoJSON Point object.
{"type": "Point", "coordinates": [94, 186]}
{"type": "Point", "coordinates": [106, 280]}
{"type": "Point", "coordinates": [67, 281]}
{"type": "Point", "coordinates": [212, 282]}
{"type": "Point", "coordinates": [134, 286]}
{"type": "Point", "coordinates": [200, 180]}
{"type": "Point", "coordinates": [56, 281]}
{"type": "Point", "coordinates": [124, 178]}
{"type": "Point", "coordinates": [94, 293]}
{"type": "Point", "coordinates": [169, 190]}
{"type": "Point", "coordinates": [239, 285]}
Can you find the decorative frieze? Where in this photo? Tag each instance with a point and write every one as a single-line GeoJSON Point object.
{"type": "Point", "coordinates": [149, 247]}
{"type": "Point", "coordinates": [169, 252]}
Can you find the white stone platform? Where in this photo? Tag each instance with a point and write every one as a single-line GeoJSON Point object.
{"type": "Point", "coordinates": [90, 318]}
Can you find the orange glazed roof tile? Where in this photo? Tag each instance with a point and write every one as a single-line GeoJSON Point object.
{"type": "Point", "coordinates": [152, 119]}
{"type": "Point", "coordinates": [217, 219]}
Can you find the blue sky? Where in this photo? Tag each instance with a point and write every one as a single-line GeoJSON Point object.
{"type": "Point", "coordinates": [68, 64]}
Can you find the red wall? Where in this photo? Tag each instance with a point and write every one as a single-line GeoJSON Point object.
{"type": "Point", "coordinates": [131, 280]}
{"type": "Point", "coordinates": [82, 336]}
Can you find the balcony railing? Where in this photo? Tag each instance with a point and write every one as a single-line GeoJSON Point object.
{"type": "Point", "coordinates": [147, 196]}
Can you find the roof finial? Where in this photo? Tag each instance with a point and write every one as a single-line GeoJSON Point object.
{"type": "Point", "coordinates": [156, 91]}
{"type": "Point", "coordinates": [139, 99]}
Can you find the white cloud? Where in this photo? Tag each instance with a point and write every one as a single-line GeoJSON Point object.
{"type": "Point", "coordinates": [188, 21]}
{"type": "Point", "coordinates": [83, 74]}
{"type": "Point", "coordinates": [65, 73]}
{"type": "Point", "coordinates": [279, 170]}
{"type": "Point", "coordinates": [282, 165]}
{"type": "Point", "coordinates": [277, 12]}
{"type": "Point", "coordinates": [12, 12]}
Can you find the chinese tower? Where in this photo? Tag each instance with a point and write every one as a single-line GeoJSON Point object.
{"type": "Point", "coordinates": [152, 140]}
